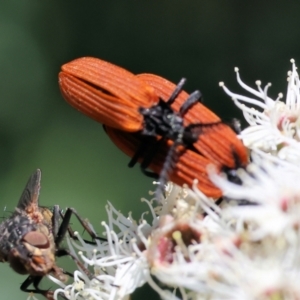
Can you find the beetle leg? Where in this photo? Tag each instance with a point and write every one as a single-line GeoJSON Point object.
{"type": "Point", "coordinates": [168, 166]}
{"type": "Point", "coordinates": [147, 159]}
{"type": "Point", "coordinates": [190, 102]}
{"type": "Point", "coordinates": [235, 125]}
{"type": "Point", "coordinates": [139, 152]}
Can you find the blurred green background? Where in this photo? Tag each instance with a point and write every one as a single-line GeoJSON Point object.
{"type": "Point", "coordinates": [200, 40]}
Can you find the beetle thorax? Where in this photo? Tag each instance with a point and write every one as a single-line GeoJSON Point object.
{"type": "Point", "coordinates": [162, 120]}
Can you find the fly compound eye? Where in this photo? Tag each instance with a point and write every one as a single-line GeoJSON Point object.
{"type": "Point", "coordinates": [36, 239]}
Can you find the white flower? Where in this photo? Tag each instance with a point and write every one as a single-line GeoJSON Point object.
{"type": "Point", "coordinates": [274, 125]}
{"type": "Point", "coordinates": [137, 251]}
{"type": "Point", "coordinates": [231, 252]}
{"type": "Point", "coordinates": [272, 186]}
{"type": "Point", "coordinates": [119, 264]}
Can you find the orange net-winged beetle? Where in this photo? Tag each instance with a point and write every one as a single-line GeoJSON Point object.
{"type": "Point", "coordinates": [154, 121]}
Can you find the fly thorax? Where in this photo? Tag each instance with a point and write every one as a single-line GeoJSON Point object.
{"type": "Point", "coordinates": [12, 232]}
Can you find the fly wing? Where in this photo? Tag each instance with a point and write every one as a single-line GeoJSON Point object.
{"type": "Point", "coordinates": [29, 199]}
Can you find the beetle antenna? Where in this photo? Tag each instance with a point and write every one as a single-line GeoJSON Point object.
{"type": "Point", "coordinates": [177, 90]}
{"type": "Point", "coordinates": [190, 102]}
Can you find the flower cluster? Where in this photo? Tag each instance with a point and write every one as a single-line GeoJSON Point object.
{"type": "Point", "coordinates": [274, 125]}
{"type": "Point", "coordinates": [188, 247]}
